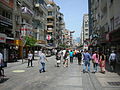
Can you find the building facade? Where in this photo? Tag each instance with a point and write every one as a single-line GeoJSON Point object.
{"type": "Point", "coordinates": [85, 32]}
{"type": "Point", "coordinates": [105, 20]}
{"type": "Point", "coordinates": [6, 29]}
{"type": "Point", "coordinates": [55, 25]}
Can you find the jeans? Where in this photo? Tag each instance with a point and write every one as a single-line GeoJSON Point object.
{"type": "Point", "coordinates": [71, 59]}
{"type": "Point", "coordinates": [86, 64]}
{"type": "Point", "coordinates": [95, 65]}
{"type": "Point", "coordinates": [43, 66]}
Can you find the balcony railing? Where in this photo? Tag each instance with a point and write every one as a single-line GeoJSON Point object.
{"type": "Point", "coordinates": [5, 20]}
{"type": "Point", "coordinates": [41, 7]}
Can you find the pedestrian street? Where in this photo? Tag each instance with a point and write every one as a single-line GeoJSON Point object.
{"type": "Point", "coordinates": [19, 77]}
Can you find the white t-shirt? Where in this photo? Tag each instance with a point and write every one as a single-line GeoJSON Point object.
{"type": "Point", "coordinates": [42, 57]}
{"type": "Point", "coordinates": [30, 56]}
{"type": "Point", "coordinates": [1, 57]}
{"type": "Point", "coordinates": [64, 51]}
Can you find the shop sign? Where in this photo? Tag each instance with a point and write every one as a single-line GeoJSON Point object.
{"type": "Point", "coordinates": [108, 37]}
{"type": "Point", "coordinates": [2, 38]}
{"type": "Point", "coordinates": [48, 37]}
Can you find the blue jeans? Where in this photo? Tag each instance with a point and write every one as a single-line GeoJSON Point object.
{"type": "Point", "coordinates": [43, 66]}
{"type": "Point", "coordinates": [86, 63]}
{"type": "Point", "coordinates": [95, 66]}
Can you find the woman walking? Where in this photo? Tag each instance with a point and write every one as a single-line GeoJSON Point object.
{"type": "Point", "coordinates": [66, 57]}
{"type": "Point", "coordinates": [95, 59]}
{"type": "Point", "coordinates": [102, 62]}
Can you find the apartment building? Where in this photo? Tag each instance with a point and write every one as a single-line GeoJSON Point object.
{"type": "Point", "coordinates": [55, 25]}
{"type": "Point", "coordinates": [66, 37]}
{"type": "Point", "coordinates": [6, 29]}
{"type": "Point", "coordinates": [85, 32]}
{"type": "Point", "coordinates": [105, 22]}
{"type": "Point", "coordinates": [40, 21]}
{"type": "Point", "coordinates": [22, 24]}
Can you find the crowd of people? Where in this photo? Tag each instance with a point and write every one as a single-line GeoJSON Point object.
{"type": "Point", "coordinates": [85, 58]}
{"type": "Point", "coordinates": [65, 56]}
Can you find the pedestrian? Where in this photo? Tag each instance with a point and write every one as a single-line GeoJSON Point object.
{"type": "Point", "coordinates": [58, 58]}
{"type": "Point", "coordinates": [79, 55]}
{"type": "Point", "coordinates": [112, 60]}
{"type": "Point", "coordinates": [71, 56]}
{"type": "Point", "coordinates": [42, 61]}
{"type": "Point", "coordinates": [30, 58]}
{"type": "Point", "coordinates": [86, 60]}
{"type": "Point", "coordinates": [1, 65]}
{"type": "Point", "coordinates": [102, 62]}
{"type": "Point", "coordinates": [95, 60]}
{"type": "Point", "coordinates": [66, 57]}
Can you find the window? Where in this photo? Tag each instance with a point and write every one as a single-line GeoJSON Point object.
{"type": "Point", "coordinates": [49, 13]}
{"type": "Point", "coordinates": [86, 30]}
{"type": "Point", "coordinates": [86, 24]}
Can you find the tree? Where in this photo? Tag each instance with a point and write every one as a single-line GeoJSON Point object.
{"type": "Point", "coordinates": [30, 41]}
{"type": "Point", "coordinates": [64, 46]}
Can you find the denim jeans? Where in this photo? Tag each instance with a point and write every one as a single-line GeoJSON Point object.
{"type": "Point", "coordinates": [86, 64]}
{"type": "Point", "coordinates": [95, 66]}
{"type": "Point", "coordinates": [43, 66]}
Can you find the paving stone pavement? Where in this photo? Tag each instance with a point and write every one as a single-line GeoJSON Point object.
{"type": "Point", "coordinates": [56, 78]}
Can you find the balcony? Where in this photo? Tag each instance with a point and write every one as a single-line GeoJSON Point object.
{"type": "Point", "coordinates": [5, 21]}
{"type": "Point", "coordinates": [52, 17]}
{"type": "Point", "coordinates": [39, 18]}
{"type": "Point", "coordinates": [50, 23]}
{"type": "Point", "coordinates": [41, 7]}
{"type": "Point", "coordinates": [26, 12]}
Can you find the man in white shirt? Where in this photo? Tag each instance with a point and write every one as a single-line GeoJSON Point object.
{"type": "Point", "coordinates": [1, 65]}
{"type": "Point", "coordinates": [42, 62]}
{"type": "Point", "coordinates": [112, 60]}
{"type": "Point", "coordinates": [30, 57]}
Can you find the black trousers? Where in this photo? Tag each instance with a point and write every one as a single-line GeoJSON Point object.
{"type": "Point", "coordinates": [71, 59]}
{"type": "Point", "coordinates": [113, 64]}
{"type": "Point", "coordinates": [29, 61]}
{"type": "Point", "coordinates": [1, 71]}
{"type": "Point", "coordinates": [79, 61]}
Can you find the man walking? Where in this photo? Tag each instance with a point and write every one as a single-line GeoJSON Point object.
{"type": "Point", "coordinates": [71, 56]}
{"type": "Point", "coordinates": [30, 57]}
{"type": "Point", "coordinates": [1, 65]}
{"type": "Point", "coordinates": [42, 62]}
{"type": "Point", "coordinates": [112, 60]}
{"type": "Point", "coordinates": [79, 55]}
{"type": "Point", "coordinates": [86, 60]}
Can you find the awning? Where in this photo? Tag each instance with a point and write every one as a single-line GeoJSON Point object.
{"type": "Point", "coordinates": [42, 45]}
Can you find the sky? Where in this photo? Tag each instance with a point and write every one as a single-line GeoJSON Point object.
{"type": "Point", "coordinates": [73, 11]}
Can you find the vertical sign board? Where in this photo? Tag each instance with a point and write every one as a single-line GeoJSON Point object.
{"type": "Point", "coordinates": [2, 38]}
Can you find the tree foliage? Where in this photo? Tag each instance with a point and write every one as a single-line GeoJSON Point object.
{"type": "Point", "coordinates": [64, 46]}
{"type": "Point", "coordinates": [30, 41]}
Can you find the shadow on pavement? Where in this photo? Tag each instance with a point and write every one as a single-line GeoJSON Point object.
{"type": "Point", "coordinates": [2, 80]}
